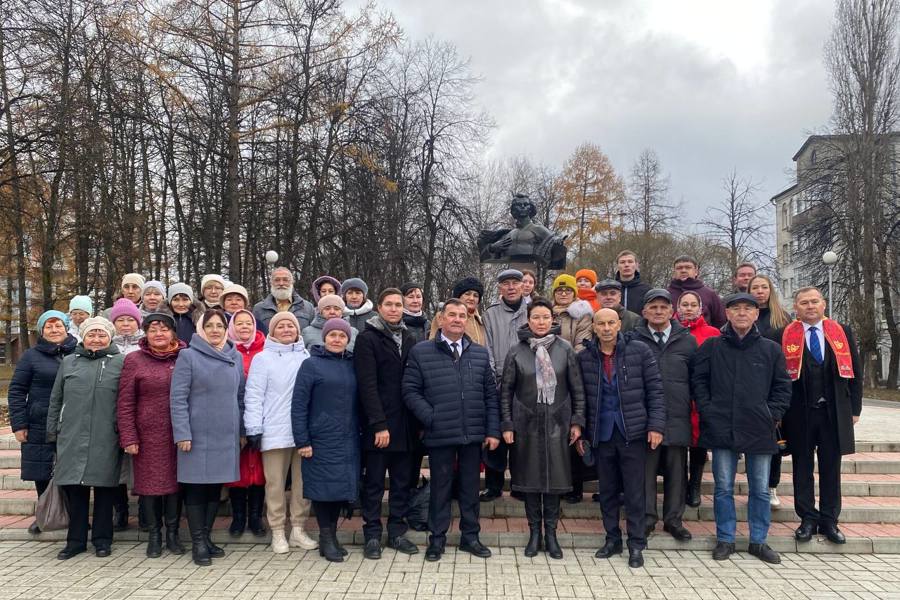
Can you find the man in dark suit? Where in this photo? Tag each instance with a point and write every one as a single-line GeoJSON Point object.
{"type": "Point", "coordinates": [826, 402]}
{"type": "Point", "coordinates": [380, 353]}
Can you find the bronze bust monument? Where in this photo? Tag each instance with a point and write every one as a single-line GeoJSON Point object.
{"type": "Point", "coordinates": [528, 243]}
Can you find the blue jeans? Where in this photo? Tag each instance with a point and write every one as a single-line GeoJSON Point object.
{"type": "Point", "coordinates": [759, 511]}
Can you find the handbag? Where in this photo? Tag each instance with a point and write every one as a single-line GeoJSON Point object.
{"type": "Point", "coordinates": [52, 512]}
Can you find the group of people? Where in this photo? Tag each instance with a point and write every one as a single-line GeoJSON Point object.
{"type": "Point", "coordinates": [175, 396]}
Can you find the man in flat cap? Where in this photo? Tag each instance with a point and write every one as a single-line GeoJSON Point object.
{"type": "Point", "coordinates": [742, 390]}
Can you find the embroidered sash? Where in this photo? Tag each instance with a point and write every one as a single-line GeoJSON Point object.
{"type": "Point", "coordinates": [794, 339]}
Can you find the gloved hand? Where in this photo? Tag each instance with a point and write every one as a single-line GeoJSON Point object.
{"type": "Point", "coordinates": [254, 441]}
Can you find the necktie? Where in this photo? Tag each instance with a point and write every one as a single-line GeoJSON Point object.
{"type": "Point", "coordinates": [453, 346]}
{"type": "Point", "coordinates": [659, 337]}
{"type": "Point", "coordinates": [815, 348]}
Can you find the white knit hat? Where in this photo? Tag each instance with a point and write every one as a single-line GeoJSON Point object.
{"type": "Point", "coordinates": [210, 278]}
{"type": "Point", "coordinates": [135, 278]}
{"type": "Point", "coordinates": [97, 323]}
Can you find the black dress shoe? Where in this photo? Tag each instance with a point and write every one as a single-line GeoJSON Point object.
{"type": "Point", "coordinates": [372, 549]}
{"type": "Point", "coordinates": [608, 549]}
{"type": "Point", "coordinates": [489, 495]}
{"type": "Point", "coordinates": [678, 532]}
{"type": "Point", "coordinates": [635, 558]}
{"type": "Point", "coordinates": [68, 552]}
{"type": "Point", "coordinates": [832, 533]}
{"type": "Point", "coordinates": [693, 496]}
{"type": "Point", "coordinates": [573, 498]}
{"type": "Point", "coordinates": [102, 552]}
{"type": "Point", "coordinates": [805, 532]}
{"type": "Point", "coordinates": [434, 552]}
{"type": "Point", "coordinates": [475, 548]}
{"type": "Point", "coordinates": [764, 553]}
{"type": "Point", "coordinates": [33, 529]}
{"type": "Point", "coordinates": [723, 550]}
{"type": "Point", "coordinates": [401, 544]}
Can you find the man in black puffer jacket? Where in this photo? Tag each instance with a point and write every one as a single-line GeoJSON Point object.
{"type": "Point", "coordinates": [742, 391]}
{"type": "Point", "coordinates": [625, 411]}
{"type": "Point", "coordinates": [674, 347]}
{"type": "Point", "coordinates": [450, 387]}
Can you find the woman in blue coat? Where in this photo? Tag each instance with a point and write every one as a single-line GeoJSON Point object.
{"type": "Point", "coordinates": [206, 407]}
{"type": "Point", "coordinates": [325, 424]}
{"type": "Point", "coordinates": [29, 397]}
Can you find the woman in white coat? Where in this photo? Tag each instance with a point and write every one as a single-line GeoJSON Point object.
{"type": "Point", "coordinates": [267, 420]}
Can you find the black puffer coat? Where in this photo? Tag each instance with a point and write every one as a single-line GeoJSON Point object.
{"type": "Point", "coordinates": [633, 292]}
{"type": "Point", "coordinates": [674, 360]}
{"type": "Point", "coordinates": [742, 388]}
{"type": "Point", "coordinates": [379, 372]}
{"type": "Point", "coordinates": [539, 457]}
{"type": "Point", "coordinates": [455, 401]}
{"type": "Point", "coordinates": [640, 388]}
{"type": "Point", "coordinates": [29, 398]}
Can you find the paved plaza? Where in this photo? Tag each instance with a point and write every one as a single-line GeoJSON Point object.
{"type": "Point", "coordinates": [29, 570]}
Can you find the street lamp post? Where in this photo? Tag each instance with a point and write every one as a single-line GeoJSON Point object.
{"type": "Point", "coordinates": [830, 258]}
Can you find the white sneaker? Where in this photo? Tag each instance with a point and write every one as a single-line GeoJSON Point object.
{"type": "Point", "coordinates": [299, 539]}
{"type": "Point", "coordinates": [773, 498]}
{"type": "Point", "coordinates": [279, 543]}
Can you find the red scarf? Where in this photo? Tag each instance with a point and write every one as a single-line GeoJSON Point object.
{"type": "Point", "coordinates": [794, 339]}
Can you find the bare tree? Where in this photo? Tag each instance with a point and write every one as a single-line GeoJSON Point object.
{"type": "Point", "coordinates": [649, 208]}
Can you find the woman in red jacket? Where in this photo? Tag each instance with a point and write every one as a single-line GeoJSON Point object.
{"type": "Point", "coordinates": [145, 429]}
{"type": "Point", "coordinates": [690, 314]}
{"type": "Point", "coordinates": [248, 495]}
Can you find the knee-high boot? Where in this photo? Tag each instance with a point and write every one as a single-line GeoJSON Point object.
{"type": "Point", "coordinates": [533, 514]}
{"type": "Point", "coordinates": [551, 519]}
{"type": "Point", "coordinates": [238, 497]}
{"type": "Point", "coordinates": [196, 517]}
{"type": "Point", "coordinates": [212, 509]}
{"type": "Point", "coordinates": [152, 509]}
{"type": "Point", "coordinates": [172, 516]}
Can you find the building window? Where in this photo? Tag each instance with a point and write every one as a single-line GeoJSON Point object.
{"type": "Point", "coordinates": [812, 157]}
{"type": "Point", "coordinates": [784, 216]}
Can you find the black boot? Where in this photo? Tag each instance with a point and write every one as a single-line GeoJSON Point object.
{"type": "Point", "coordinates": [695, 480]}
{"type": "Point", "coordinates": [256, 502]}
{"type": "Point", "coordinates": [120, 509]}
{"type": "Point", "coordinates": [238, 498]}
{"type": "Point", "coordinates": [143, 523]}
{"type": "Point", "coordinates": [551, 519]}
{"type": "Point", "coordinates": [533, 514]}
{"type": "Point", "coordinates": [212, 509]}
{"type": "Point", "coordinates": [151, 506]}
{"type": "Point", "coordinates": [196, 517]}
{"type": "Point", "coordinates": [172, 513]}
{"type": "Point", "coordinates": [328, 545]}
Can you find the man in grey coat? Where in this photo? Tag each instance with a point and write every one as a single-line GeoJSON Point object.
{"type": "Point", "coordinates": [674, 347]}
{"type": "Point", "coordinates": [502, 321]}
{"type": "Point", "coordinates": [282, 296]}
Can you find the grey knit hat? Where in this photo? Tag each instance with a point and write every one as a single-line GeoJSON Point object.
{"type": "Point", "coordinates": [180, 288]}
{"type": "Point", "coordinates": [354, 283]}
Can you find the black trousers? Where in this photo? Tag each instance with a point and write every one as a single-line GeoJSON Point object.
{"type": "Point", "coordinates": [327, 513]}
{"type": "Point", "coordinates": [821, 435]}
{"type": "Point", "coordinates": [620, 469]}
{"type": "Point", "coordinates": [775, 471]}
{"type": "Point", "coordinates": [41, 487]}
{"type": "Point", "coordinates": [397, 466]}
{"type": "Point", "coordinates": [442, 461]}
{"type": "Point", "coordinates": [673, 460]}
{"type": "Point", "coordinates": [79, 501]}
{"type": "Point", "coordinates": [697, 458]}
{"type": "Point", "coordinates": [201, 493]}
{"type": "Point", "coordinates": [493, 479]}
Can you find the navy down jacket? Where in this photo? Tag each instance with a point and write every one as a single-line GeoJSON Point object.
{"type": "Point", "coordinates": [455, 401]}
{"type": "Point", "coordinates": [640, 387]}
{"type": "Point", "coordinates": [325, 415]}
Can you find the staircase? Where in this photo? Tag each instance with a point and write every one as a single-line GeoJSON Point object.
{"type": "Point", "coordinates": [870, 518]}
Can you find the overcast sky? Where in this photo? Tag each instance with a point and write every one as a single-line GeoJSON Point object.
{"type": "Point", "coordinates": [710, 85]}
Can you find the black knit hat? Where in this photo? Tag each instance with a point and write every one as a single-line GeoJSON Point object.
{"type": "Point", "coordinates": [158, 316]}
{"type": "Point", "coordinates": [467, 284]}
{"type": "Point", "coordinates": [409, 286]}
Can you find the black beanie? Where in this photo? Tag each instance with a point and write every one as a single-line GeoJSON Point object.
{"type": "Point", "coordinates": [467, 284]}
{"type": "Point", "coordinates": [409, 285]}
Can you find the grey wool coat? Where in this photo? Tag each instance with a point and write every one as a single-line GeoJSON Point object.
{"type": "Point", "coordinates": [82, 418]}
{"type": "Point", "coordinates": [207, 405]}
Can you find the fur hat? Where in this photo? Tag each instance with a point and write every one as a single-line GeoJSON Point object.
{"type": "Point", "coordinates": [467, 284]}
{"type": "Point", "coordinates": [81, 303]}
{"type": "Point", "coordinates": [180, 288]}
{"type": "Point", "coordinates": [354, 283]}
{"type": "Point", "coordinates": [336, 324]}
{"type": "Point", "coordinates": [100, 323]}
{"type": "Point", "coordinates": [123, 308]}
{"type": "Point", "coordinates": [331, 300]}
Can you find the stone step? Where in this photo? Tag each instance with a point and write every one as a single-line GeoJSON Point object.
{"type": "Point", "coordinates": [574, 534]}
{"type": "Point", "coordinates": [855, 509]}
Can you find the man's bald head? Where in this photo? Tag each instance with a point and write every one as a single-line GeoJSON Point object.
{"type": "Point", "coordinates": [607, 325]}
